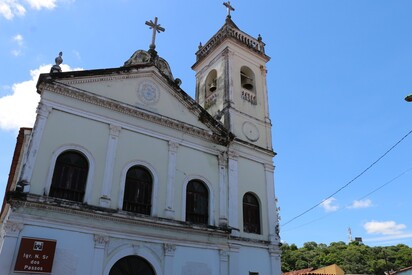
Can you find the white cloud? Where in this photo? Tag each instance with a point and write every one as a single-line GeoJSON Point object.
{"type": "Point", "coordinates": [389, 232]}
{"type": "Point", "coordinates": [361, 204]}
{"type": "Point", "coordinates": [39, 4]}
{"type": "Point", "coordinates": [10, 8]}
{"type": "Point", "coordinates": [327, 205]}
{"type": "Point", "coordinates": [18, 38]}
{"type": "Point", "coordinates": [384, 228]}
{"type": "Point", "coordinates": [77, 55]}
{"type": "Point", "coordinates": [19, 108]}
{"type": "Point", "coordinates": [16, 52]}
{"type": "Point", "coordinates": [5, 10]}
{"type": "Point", "coordinates": [390, 239]}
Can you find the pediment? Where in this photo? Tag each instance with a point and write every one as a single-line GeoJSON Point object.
{"type": "Point", "coordinates": [142, 90]}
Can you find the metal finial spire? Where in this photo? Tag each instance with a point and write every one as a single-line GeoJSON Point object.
{"type": "Point", "coordinates": [156, 28]}
{"type": "Point", "coordinates": [229, 7]}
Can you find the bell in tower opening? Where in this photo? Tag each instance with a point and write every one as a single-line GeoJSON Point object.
{"type": "Point", "coordinates": [246, 78]}
{"type": "Point", "coordinates": [211, 82]}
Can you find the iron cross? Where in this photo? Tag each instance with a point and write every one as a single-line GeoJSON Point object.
{"type": "Point", "coordinates": [156, 28]}
{"type": "Point", "coordinates": [229, 7]}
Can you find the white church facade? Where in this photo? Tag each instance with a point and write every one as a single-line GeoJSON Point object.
{"type": "Point", "coordinates": [124, 173]}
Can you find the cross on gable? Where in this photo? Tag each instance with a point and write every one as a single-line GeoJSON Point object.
{"type": "Point", "coordinates": [229, 7]}
{"type": "Point", "coordinates": [156, 28]}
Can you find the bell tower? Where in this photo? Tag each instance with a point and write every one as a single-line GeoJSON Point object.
{"type": "Point", "coordinates": [231, 83]}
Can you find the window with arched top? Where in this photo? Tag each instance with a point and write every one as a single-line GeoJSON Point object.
{"type": "Point", "coordinates": [197, 202]}
{"type": "Point", "coordinates": [247, 83]}
{"type": "Point", "coordinates": [211, 82]}
{"type": "Point", "coordinates": [247, 79]}
{"type": "Point", "coordinates": [251, 214]}
{"type": "Point", "coordinates": [137, 196]}
{"type": "Point", "coordinates": [69, 176]}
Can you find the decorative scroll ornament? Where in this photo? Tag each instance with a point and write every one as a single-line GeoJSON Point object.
{"type": "Point", "coordinates": [100, 240]}
{"type": "Point", "coordinates": [169, 249]}
{"type": "Point", "coordinates": [141, 57]}
{"type": "Point", "coordinates": [12, 227]}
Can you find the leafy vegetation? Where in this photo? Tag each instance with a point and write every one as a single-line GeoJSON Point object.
{"type": "Point", "coordinates": [353, 258]}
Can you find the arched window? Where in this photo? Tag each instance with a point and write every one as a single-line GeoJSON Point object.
{"type": "Point", "coordinates": [251, 214]}
{"type": "Point", "coordinates": [197, 202]}
{"type": "Point", "coordinates": [69, 176]}
{"type": "Point", "coordinates": [138, 191]}
{"type": "Point", "coordinates": [247, 79]}
{"type": "Point", "coordinates": [211, 82]}
{"type": "Point", "coordinates": [132, 265]}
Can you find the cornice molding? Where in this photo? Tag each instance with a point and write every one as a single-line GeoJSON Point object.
{"type": "Point", "coordinates": [85, 96]}
{"type": "Point", "coordinates": [115, 217]}
{"type": "Point", "coordinates": [230, 31]}
{"type": "Point", "coordinates": [94, 79]}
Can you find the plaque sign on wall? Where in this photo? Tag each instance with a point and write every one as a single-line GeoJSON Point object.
{"type": "Point", "coordinates": [35, 255]}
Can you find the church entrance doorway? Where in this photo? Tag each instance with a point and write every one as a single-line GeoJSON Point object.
{"type": "Point", "coordinates": [132, 265]}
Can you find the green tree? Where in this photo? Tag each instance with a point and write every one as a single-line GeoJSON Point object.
{"type": "Point", "coordinates": [355, 257]}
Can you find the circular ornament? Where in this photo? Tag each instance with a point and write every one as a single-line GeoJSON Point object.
{"type": "Point", "coordinates": [250, 131]}
{"type": "Point", "coordinates": [148, 92]}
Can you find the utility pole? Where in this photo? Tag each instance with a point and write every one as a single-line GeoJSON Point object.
{"type": "Point", "coordinates": [386, 262]}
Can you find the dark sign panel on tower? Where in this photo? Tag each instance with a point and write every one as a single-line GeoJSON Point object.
{"type": "Point", "coordinates": [35, 255]}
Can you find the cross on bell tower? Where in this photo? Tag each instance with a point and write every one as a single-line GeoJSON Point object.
{"type": "Point", "coordinates": [156, 28]}
{"type": "Point", "coordinates": [229, 7]}
{"type": "Point", "coordinates": [231, 82]}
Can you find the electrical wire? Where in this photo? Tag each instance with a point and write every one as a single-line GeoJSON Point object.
{"type": "Point", "coordinates": [351, 181]}
{"type": "Point", "coordinates": [347, 206]}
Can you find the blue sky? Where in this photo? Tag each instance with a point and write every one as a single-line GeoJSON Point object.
{"type": "Point", "coordinates": [338, 73]}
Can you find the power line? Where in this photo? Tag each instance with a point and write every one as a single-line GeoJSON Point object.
{"type": "Point", "coordinates": [386, 183]}
{"type": "Point", "coordinates": [351, 181]}
{"type": "Point", "coordinates": [361, 198]}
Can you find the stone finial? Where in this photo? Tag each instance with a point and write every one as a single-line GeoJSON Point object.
{"type": "Point", "coordinates": [56, 67]}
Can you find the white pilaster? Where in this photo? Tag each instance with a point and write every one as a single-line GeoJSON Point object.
{"type": "Point", "coordinates": [171, 173]}
{"type": "Point", "coordinates": [271, 207]}
{"type": "Point", "coordinates": [222, 158]}
{"type": "Point", "coordinates": [169, 250]}
{"type": "Point", "coordinates": [108, 170]}
{"type": "Point", "coordinates": [234, 260]}
{"type": "Point", "coordinates": [233, 192]}
{"type": "Point", "coordinates": [275, 263]}
{"type": "Point", "coordinates": [224, 262]}
{"type": "Point", "coordinates": [10, 234]}
{"type": "Point", "coordinates": [43, 112]}
{"type": "Point", "coordinates": [268, 127]}
{"type": "Point", "coordinates": [227, 57]}
{"type": "Point", "coordinates": [100, 242]}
